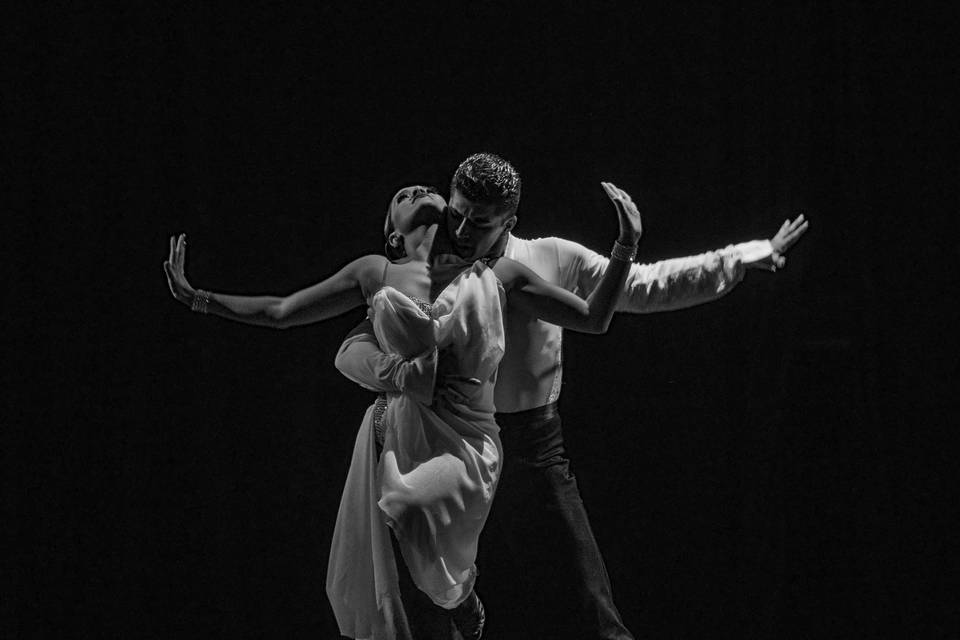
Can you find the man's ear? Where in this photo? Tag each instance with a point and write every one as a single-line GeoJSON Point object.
{"type": "Point", "coordinates": [510, 223]}
{"type": "Point", "coordinates": [395, 239]}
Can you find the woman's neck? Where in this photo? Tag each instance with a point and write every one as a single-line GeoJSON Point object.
{"type": "Point", "coordinates": [421, 250]}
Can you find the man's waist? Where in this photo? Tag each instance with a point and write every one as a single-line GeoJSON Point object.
{"type": "Point", "coordinates": [534, 436]}
{"type": "Point", "coordinates": [507, 419]}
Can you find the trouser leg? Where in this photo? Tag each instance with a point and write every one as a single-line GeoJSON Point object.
{"type": "Point", "coordinates": [541, 518]}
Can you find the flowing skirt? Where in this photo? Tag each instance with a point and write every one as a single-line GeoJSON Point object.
{"type": "Point", "coordinates": [433, 485]}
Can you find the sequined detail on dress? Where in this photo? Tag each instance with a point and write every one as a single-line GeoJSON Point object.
{"type": "Point", "coordinates": [380, 406]}
{"type": "Point", "coordinates": [423, 305]}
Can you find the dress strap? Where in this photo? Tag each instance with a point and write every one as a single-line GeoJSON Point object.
{"type": "Point", "coordinates": [383, 276]}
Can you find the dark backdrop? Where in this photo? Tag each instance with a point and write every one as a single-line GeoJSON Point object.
{"type": "Point", "coordinates": [768, 465]}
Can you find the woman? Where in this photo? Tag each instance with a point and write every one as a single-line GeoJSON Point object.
{"type": "Point", "coordinates": [438, 470]}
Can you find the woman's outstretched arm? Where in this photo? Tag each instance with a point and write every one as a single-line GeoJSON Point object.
{"type": "Point", "coordinates": [540, 299]}
{"type": "Point", "coordinates": [331, 297]}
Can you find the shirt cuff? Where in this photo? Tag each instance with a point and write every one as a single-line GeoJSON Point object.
{"type": "Point", "coordinates": [754, 251]}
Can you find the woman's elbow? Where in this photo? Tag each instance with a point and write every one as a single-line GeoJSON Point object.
{"type": "Point", "coordinates": [598, 325]}
{"type": "Point", "coordinates": [598, 328]}
{"type": "Point", "coordinates": [278, 315]}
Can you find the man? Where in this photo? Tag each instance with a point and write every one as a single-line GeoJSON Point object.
{"type": "Point", "coordinates": [538, 515]}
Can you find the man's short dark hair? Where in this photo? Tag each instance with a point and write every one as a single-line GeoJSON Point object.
{"type": "Point", "coordinates": [486, 178]}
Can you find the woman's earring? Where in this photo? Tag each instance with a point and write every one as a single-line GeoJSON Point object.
{"type": "Point", "coordinates": [394, 247]}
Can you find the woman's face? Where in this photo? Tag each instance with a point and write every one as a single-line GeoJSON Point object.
{"type": "Point", "coordinates": [414, 207]}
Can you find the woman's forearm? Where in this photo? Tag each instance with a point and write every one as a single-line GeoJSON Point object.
{"type": "Point", "coordinates": [602, 301]}
{"type": "Point", "coordinates": [264, 311]}
{"type": "Point", "coordinates": [327, 299]}
{"type": "Point", "coordinates": [548, 302]}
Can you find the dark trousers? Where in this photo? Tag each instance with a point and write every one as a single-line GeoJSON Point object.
{"type": "Point", "coordinates": [541, 562]}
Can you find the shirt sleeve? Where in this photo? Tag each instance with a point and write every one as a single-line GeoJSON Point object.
{"type": "Point", "coordinates": [666, 285]}
{"type": "Point", "coordinates": [361, 359]}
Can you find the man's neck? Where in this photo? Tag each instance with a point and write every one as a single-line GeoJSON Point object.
{"type": "Point", "coordinates": [442, 245]}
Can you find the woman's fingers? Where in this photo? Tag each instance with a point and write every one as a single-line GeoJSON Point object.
{"type": "Point", "coordinates": [170, 278]}
{"type": "Point", "coordinates": [610, 192]}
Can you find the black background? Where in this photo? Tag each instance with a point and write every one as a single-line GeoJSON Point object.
{"type": "Point", "coordinates": [770, 465]}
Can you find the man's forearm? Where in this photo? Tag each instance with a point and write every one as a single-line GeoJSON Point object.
{"type": "Point", "coordinates": [361, 359]}
{"type": "Point", "coordinates": [685, 282]}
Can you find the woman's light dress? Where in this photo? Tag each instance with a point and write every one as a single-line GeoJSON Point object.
{"type": "Point", "coordinates": [438, 470]}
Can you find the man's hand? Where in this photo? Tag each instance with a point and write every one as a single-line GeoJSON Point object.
{"type": "Point", "coordinates": [786, 237]}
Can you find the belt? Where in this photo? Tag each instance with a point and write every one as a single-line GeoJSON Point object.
{"type": "Point", "coordinates": [527, 416]}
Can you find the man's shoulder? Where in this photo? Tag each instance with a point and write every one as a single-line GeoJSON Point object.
{"type": "Point", "coordinates": [552, 244]}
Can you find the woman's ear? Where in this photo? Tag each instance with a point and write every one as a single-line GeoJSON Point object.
{"type": "Point", "coordinates": [394, 246]}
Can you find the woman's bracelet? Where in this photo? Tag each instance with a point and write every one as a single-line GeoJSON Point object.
{"type": "Point", "coordinates": [623, 251]}
{"type": "Point", "coordinates": [200, 301]}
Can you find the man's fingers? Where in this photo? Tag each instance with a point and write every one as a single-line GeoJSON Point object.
{"type": "Point", "coordinates": [796, 222]}
{"type": "Point", "coordinates": [796, 233]}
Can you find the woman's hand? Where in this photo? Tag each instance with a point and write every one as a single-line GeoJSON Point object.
{"type": "Point", "coordinates": [176, 279]}
{"type": "Point", "coordinates": [630, 227]}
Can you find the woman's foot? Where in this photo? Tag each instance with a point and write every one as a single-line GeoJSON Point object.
{"type": "Point", "coordinates": [469, 617]}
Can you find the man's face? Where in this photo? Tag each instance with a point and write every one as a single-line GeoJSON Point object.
{"type": "Point", "coordinates": [475, 228]}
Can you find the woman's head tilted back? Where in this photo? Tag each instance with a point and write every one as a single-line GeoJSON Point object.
{"type": "Point", "coordinates": [411, 211]}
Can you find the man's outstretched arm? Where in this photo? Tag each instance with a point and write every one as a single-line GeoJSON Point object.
{"type": "Point", "coordinates": [679, 282]}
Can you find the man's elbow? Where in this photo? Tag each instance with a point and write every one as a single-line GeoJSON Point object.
{"type": "Point", "coordinates": [342, 362]}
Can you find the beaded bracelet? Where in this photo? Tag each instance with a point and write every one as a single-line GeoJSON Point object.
{"type": "Point", "coordinates": [200, 301]}
{"type": "Point", "coordinates": [623, 251]}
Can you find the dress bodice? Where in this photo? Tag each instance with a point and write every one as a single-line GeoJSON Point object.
{"type": "Point", "coordinates": [465, 323]}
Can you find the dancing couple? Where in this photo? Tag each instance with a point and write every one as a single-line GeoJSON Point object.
{"type": "Point", "coordinates": [463, 343]}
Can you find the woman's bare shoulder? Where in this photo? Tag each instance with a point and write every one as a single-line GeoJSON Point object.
{"type": "Point", "coordinates": [368, 271]}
